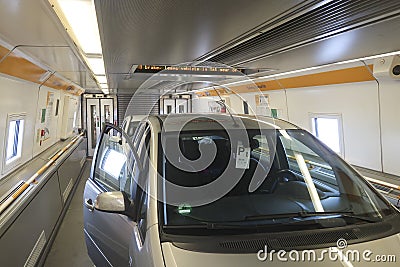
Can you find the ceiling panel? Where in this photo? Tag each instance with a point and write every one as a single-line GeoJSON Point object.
{"type": "Point", "coordinates": [30, 17]}
{"type": "Point", "coordinates": [175, 31]}
{"type": "Point", "coordinates": [32, 26]}
{"type": "Point", "coordinates": [375, 39]}
{"type": "Point", "coordinates": [63, 61]}
{"type": "Point", "coordinates": [59, 58]}
{"type": "Point", "coordinates": [319, 23]}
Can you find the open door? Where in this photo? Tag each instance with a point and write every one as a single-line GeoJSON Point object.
{"type": "Point", "coordinates": [114, 168]}
{"type": "Point", "coordinates": [107, 111]}
{"type": "Point", "coordinates": [99, 111]}
{"type": "Point", "coordinates": [93, 123]}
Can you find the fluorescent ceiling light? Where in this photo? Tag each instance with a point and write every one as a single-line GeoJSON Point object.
{"type": "Point", "coordinates": [101, 78]}
{"type": "Point", "coordinates": [104, 86]}
{"type": "Point", "coordinates": [96, 64]}
{"type": "Point", "coordinates": [81, 17]}
{"type": "Point", "coordinates": [105, 91]}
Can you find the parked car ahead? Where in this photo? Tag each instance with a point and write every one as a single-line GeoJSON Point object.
{"type": "Point", "coordinates": [215, 190]}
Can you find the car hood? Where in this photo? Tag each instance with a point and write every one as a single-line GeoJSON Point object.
{"type": "Point", "coordinates": [380, 252]}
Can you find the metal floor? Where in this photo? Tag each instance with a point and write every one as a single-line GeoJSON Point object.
{"type": "Point", "coordinates": [69, 247]}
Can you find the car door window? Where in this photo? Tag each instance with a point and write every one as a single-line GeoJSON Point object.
{"type": "Point", "coordinates": [115, 164]}
{"type": "Point", "coordinates": [142, 212]}
{"type": "Point", "coordinates": [144, 158]}
{"type": "Point", "coordinates": [139, 134]}
{"type": "Point", "coordinates": [143, 149]}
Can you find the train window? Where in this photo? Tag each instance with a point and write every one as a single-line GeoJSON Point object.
{"type": "Point", "coordinates": [14, 136]}
{"type": "Point", "coordinates": [57, 107]}
{"type": "Point", "coordinates": [328, 129]}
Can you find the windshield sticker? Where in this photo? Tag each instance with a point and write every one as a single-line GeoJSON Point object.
{"type": "Point", "coordinates": [184, 209]}
{"type": "Point", "coordinates": [242, 157]}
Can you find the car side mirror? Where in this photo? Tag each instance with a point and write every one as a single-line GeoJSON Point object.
{"type": "Point", "coordinates": [115, 202]}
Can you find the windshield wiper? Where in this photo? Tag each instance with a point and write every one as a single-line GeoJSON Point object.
{"type": "Point", "coordinates": [347, 214]}
{"type": "Point", "coordinates": [211, 226]}
{"type": "Point", "coordinates": [306, 214]}
{"type": "Point", "coordinates": [325, 219]}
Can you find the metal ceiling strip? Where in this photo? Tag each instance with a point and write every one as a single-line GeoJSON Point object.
{"type": "Point", "coordinates": [274, 22]}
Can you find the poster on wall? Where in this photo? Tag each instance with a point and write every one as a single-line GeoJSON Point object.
{"type": "Point", "coordinates": [49, 109]}
{"type": "Point", "coordinates": [262, 105]}
{"type": "Point", "coordinates": [46, 119]}
{"type": "Point", "coordinates": [217, 106]}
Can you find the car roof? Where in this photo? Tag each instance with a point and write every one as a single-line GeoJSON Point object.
{"type": "Point", "coordinates": [217, 121]}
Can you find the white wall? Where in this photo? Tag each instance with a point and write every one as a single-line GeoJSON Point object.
{"type": "Point", "coordinates": [18, 96]}
{"type": "Point", "coordinates": [200, 104]}
{"type": "Point", "coordinates": [69, 115]}
{"type": "Point", "coordinates": [236, 104]}
{"type": "Point", "coordinates": [390, 114]}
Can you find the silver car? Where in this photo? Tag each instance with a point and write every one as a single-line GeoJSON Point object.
{"type": "Point", "coordinates": [223, 190]}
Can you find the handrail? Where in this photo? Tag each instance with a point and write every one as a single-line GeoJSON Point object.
{"type": "Point", "coordinates": [313, 163]}
{"type": "Point", "coordinates": [32, 179]}
{"type": "Point", "coordinates": [369, 179]}
{"type": "Point", "coordinates": [375, 181]}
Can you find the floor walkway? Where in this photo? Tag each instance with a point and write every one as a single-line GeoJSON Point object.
{"type": "Point", "coordinates": [69, 247]}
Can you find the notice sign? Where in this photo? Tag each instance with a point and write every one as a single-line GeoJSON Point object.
{"type": "Point", "coordinates": [242, 157]}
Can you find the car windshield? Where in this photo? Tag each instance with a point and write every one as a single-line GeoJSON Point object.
{"type": "Point", "coordinates": [274, 176]}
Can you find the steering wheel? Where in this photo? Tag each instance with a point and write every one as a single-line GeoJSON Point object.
{"type": "Point", "coordinates": [286, 175]}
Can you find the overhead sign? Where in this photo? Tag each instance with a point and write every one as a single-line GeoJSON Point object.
{"type": "Point", "coordinates": [189, 70]}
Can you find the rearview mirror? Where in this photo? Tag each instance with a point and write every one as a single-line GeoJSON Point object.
{"type": "Point", "coordinates": [114, 202]}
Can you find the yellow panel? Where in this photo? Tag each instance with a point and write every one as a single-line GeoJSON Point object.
{"type": "Point", "coordinates": [349, 75]}
{"type": "Point", "coordinates": [3, 51]}
{"type": "Point", "coordinates": [16, 66]}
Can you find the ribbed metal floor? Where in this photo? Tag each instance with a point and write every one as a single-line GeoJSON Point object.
{"type": "Point", "coordinates": [69, 247]}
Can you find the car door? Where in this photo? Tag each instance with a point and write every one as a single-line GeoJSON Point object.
{"type": "Point", "coordinates": [114, 168]}
{"type": "Point", "coordinates": [140, 249]}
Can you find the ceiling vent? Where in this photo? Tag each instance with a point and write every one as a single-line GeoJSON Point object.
{"type": "Point", "coordinates": [316, 24]}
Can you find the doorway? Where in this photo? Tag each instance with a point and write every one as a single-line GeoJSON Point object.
{"type": "Point", "coordinates": [98, 112]}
